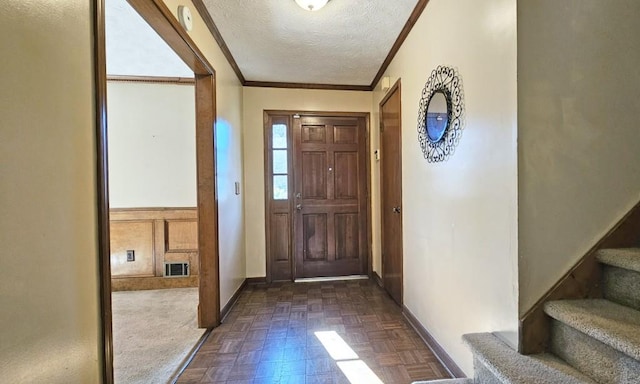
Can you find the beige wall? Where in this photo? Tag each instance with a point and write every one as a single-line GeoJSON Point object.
{"type": "Point", "coordinates": [49, 321]}
{"type": "Point", "coordinates": [579, 138]}
{"type": "Point", "coordinates": [229, 156]}
{"type": "Point", "coordinates": [460, 216]}
{"type": "Point", "coordinates": [152, 145]}
{"type": "Point", "coordinates": [256, 100]}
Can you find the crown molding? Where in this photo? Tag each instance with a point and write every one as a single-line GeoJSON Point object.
{"type": "Point", "coordinates": [408, 26]}
{"type": "Point", "coordinates": [335, 87]}
{"type": "Point", "coordinates": [202, 9]}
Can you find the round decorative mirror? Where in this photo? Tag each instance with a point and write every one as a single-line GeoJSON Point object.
{"type": "Point", "coordinates": [440, 114]}
{"type": "Point", "coordinates": [437, 118]}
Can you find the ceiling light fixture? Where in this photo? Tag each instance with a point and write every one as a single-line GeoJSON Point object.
{"type": "Point", "coordinates": [312, 5]}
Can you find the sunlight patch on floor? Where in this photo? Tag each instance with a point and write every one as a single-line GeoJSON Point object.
{"type": "Point", "coordinates": [336, 346]}
{"type": "Point", "coordinates": [356, 371]}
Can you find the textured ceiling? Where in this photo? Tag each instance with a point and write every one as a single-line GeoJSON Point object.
{"type": "Point", "coordinates": [343, 43]}
{"type": "Point", "coordinates": [134, 48]}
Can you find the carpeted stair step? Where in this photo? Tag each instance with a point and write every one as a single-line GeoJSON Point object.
{"type": "Point", "coordinates": [610, 323]}
{"type": "Point", "coordinates": [496, 362]}
{"type": "Point", "coordinates": [598, 337]}
{"type": "Point", "coordinates": [626, 258]}
{"type": "Point", "coordinates": [445, 381]}
{"type": "Point", "coordinates": [621, 276]}
{"type": "Point", "coordinates": [591, 357]}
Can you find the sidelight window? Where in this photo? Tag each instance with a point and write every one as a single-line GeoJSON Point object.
{"type": "Point", "coordinates": [279, 156]}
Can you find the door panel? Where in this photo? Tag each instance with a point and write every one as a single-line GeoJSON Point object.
{"type": "Point", "coordinates": [314, 134]}
{"type": "Point", "coordinates": [314, 233]}
{"type": "Point", "coordinates": [314, 175]}
{"type": "Point", "coordinates": [345, 134]}
{"type": "Point", "coordinates": [280, 236]}
{"type": "Point", "coordinates": [346, 175]}
{"type": "Point", "coordinates": [346, 225]}
{"type": "Point", "coordinates": [391, 192]}
{"type": "Point", "coordinates": [330, 196]}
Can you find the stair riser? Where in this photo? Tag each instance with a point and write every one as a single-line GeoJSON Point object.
{"type": "Point", "coordinates": [483, 375]}
{"type": "Point", "coordinates": [621, 286]}
{"type": "Point", "coordinates": [595, 359]}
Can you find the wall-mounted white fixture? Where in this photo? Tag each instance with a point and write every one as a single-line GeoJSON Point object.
{"type": "Point", "coordinates": [185, 18]}
{"type": "Point", "coordinates": [385, 83]}
{"type": "Point", "coordinates": [312, 5]}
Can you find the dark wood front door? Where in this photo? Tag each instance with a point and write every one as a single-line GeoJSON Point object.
{"type": "Point", "coordinates": [330, 196]}
{"type": "Point", "coordinates": [391, 192]}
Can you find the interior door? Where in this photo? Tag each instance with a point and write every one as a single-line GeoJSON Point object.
{"type": "Point", "coordinates": [330, 196]}
{"type": "Point", "coordinates": [391, 192]}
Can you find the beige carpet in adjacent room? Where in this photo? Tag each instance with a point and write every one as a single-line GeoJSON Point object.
{"type": "Point", "coordinates": [153, 332]}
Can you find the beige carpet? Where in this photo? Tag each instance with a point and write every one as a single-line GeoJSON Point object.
{"type": "Point", "coordinates": [153, 332]}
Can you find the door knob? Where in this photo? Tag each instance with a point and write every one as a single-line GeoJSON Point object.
{"type": "Point", "coordinates": [396, 209]}
{"type": "Point", "coordinates": [298, 206]}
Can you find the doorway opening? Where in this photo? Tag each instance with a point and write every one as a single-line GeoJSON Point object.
{"type": "Point", "coordinates": [177, 237]}
{"type": "Point", "coordinates": [317, 181]}
{"type": "Point", "coordinates": [153, 223]}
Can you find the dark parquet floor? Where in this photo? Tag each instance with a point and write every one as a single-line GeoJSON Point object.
{"type": "Point", "coordinates": [270, 337]}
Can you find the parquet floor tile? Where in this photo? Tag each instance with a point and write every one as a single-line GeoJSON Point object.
{"type": "Point", "coordinates": [271, 336]}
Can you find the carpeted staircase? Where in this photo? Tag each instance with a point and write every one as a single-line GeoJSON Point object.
{"type": "Point", "coordinates": [592, 340]}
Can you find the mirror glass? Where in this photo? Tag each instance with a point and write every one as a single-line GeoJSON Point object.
{"type": "Point", "coordinates": [437, 117]}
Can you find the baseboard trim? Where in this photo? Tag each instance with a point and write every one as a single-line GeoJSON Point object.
{"type": "Point", "coordinates": [187, 360]}
{"type": "Point", "coordinates": [377, 279]}
{"type": "Point", "coordinates": [227, 308]}
{"type": "Point", "coordinates": [256, 280]}
{"type": "Point", "coordinates": [433, 345]}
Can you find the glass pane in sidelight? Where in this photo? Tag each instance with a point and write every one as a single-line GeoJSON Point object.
{"type": "Point", "coordinates": [279, 139]}
{"type": "Point", "coordinates": [280, 161]}
{"type": "Point", "coordinates": [280, 187]}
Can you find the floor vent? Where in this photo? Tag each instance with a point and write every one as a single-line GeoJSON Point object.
{"type": "Point", "coordinates": [176, 269]}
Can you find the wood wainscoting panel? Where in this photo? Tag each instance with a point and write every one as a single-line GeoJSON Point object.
{"type": "Point", "coordinates": [136, 236]}
{"type": "Point", "coordinates": [181, 243]}
{"type": "Point", "coordinates": [181, 235]}
{"type": "Point", "coordinates": [120, 214]}
{"type": "Point", "coordinates": [156, 235]}
{"type": "Point", "coordinates": [145, 283]}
